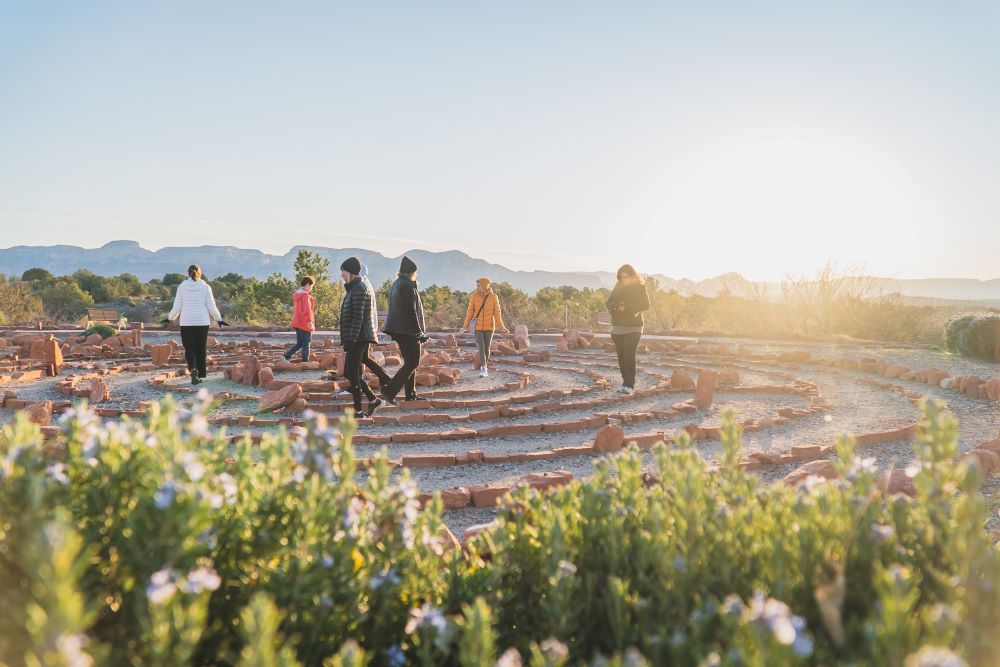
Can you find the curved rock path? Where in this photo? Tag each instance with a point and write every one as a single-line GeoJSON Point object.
{"type": "Point", "coordinates": [540, 409]}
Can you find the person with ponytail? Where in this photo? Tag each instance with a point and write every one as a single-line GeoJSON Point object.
{"type": "Point", "coordinates": [194, 304]}
{"type": "Point", "coordinates": [626, 304]}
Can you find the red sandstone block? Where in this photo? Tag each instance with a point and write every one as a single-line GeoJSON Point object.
{"type": "Point", "coordinates": [580, 450]}
{"type": "Point", "coordinates": [428, 460]}
{"type": "Point", "coordinates": [558, 427]}
{"type": "Point", "coordinates": [807, 452]}
{"type": "Point", "coordinates": [486, 495]}
{"type": "Point", "coordinates": [456, 498]}
{"type": "Point", "coordinates": [415, 405]}
{"type": "Point", "coordinates": [644, 440]}
{"type": "Point", "coordinates": [546, 407]}
{"type": "Point", "coordinates": [414, 437]}
{"type": "Point", "coordinates": [458, 434]}
{"type": "Point", "coordinates": [510, 429]}
{"type": "Point", "coordinates": [410, 419]}
{"type": "Point", "coordinates": [496, 458]}
{"type": "Point", "coordinates": [485, 415]}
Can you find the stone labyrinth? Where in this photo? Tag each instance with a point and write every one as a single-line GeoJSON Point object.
{"type": "Point", "coordinates": [548, 408]}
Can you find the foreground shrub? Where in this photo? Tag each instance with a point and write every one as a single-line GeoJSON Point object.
{"type": "Point", "coordinates": [975, 335]}
{"type": "Point", "coordinates": [160, 543]}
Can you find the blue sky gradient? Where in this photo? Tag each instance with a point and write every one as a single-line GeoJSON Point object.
{"type": "Point", "coordinates": [691, 139]}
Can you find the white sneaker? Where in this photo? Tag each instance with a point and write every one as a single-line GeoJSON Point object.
{"type": "Point", "coordinates": [483, 373]}
{"type": "Point", "coordinates": [625, 390]}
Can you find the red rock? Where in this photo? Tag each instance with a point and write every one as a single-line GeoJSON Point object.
{"type": "Point", "coordinates": [729, 377]}
{"type": "Point", "coordinates": [265, 376]}
{"type": "Point", "coordinates": [681, 380]}
{"type": "Point", "coordinates": [425, 379]}
{"type": "Point", "coordinates": [298, 405]}
{"type": "Point", "coordinates": [546, 480]}
{"type": "Point", "coordinates": [161, 354]}
{"type": "Point", "coordinates": [893, 371]}
{"type": "Point", "coordinates": [989, 461]}
{"type": "Point", "coordinates": [899, 482]}
{"type": "Point", "coordinates": [609, 438]}
{"type": "Point", "coordinates": [99, 391]}
{"type": "Point", "coordinates": [428, 460]}
{"type": "Point", "coordinates": [472, 531]}
{"type": "Point", "coordinates": [767, 458]}
{"type": "Point", "coordinates": [821, 468]}
{"type": "Point", "coordinates": [328, 360]}
{"type": "Point", "coordinates": [807, 452]}
{"type": "Point", "coordinates": [53, 355]}
{"type": "Point", "coordinates": [485, 415]}
{"type": "Point", "coordinates": [487, 495]}
{"type": "Point", "coordinates": [279, 398]}
{"type": "Point", "coordinates": [705, 392]}
{"type": "Point", "coordinates": [39, 412]}
{"type": "Point", "coordinates": [456, 498]}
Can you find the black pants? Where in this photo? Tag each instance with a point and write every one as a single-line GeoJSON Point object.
{"type": "Point", "coordinates": [625, 346]}
{"type": "Point", "coordinates": [409, 348]}
{"type": "Point", "coordinates": [357, 356]}
{"type": "Point", "coordinates": [195, 342]}
{"type": "Point", "coordinates": [377, 371]}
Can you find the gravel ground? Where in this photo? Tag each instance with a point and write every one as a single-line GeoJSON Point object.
{"type": "Point", "coordinates": [853, 406]}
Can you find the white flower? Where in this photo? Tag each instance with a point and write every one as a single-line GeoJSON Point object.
{"type": "Point", "coordinates": [566, 568]}
{"type": "Point", "coordinates": [193, 468]}
{"type": "Point", "coordinates": [229, 487]}
{"type": "Point", "coordinates": [776, 618]}
{"type": "Point", "coordinates": [57, 471]}
{"type": "Point", "coordinates": [161, 586]}
{"type": "Point", "coordinates": [203, 579]}
{"type": "Point", "coordinates": [71, 651]}
{"type": "Point", "coordinates": [426, 616]}
{"type": "Point", "coordinates": [934, 656]}
{"type": "Point", "coordinates": [510, 658]}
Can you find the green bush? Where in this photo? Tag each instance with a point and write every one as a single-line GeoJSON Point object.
{"type": "Point", "coordinates": [973, 335]}
{"type": "Point", "coordinates": [162, 543]}
{"type": "Point", "coordinates": [103, 329]}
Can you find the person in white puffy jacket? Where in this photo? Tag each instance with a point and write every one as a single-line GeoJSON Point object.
{"type": "Point", "coordinates": [194, 304]}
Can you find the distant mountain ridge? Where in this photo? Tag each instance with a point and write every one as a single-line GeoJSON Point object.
{"type": "Point", "coordinates": [452, 268]}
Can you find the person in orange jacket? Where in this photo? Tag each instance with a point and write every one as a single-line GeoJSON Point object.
{"type": "Point", "coordinates": [303, 318]}
{"type": "Point", "coordinates": [483, 317]}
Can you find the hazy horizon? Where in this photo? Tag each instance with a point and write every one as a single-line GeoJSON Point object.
{"type": "Point", "coordinates": [762, 138]}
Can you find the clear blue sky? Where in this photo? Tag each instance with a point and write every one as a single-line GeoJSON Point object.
{"type": "Point", "coordinates": [691, 139]}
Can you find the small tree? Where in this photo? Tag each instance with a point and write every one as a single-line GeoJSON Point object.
{"type": "Point", "coordinates": [64, 300]}
{"type": "Point", "coordinates": [39, 274]}
{"type": "Point", "coordinates": [17, 304]}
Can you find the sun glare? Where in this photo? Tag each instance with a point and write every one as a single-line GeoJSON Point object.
{"type": "Point", "coordinates": [794, 202]}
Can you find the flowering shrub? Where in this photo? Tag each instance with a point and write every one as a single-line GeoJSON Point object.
{"type": "Point", "coordinates": [162, 543]}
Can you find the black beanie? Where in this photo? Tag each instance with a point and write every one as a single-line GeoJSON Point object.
{"type": "Point", "coordinates": [352, 265]}
{"type": "Point", "coordinates": [406, 267]}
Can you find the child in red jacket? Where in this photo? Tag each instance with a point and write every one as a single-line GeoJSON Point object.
{"type": "Point", "coordinates": [303, 319]}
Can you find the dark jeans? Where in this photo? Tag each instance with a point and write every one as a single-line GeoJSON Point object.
{"type": "Point", "coordinates": [409, 348]}
{"type": "Point", "coordinates": [357, 356]}
{"type": "Point", "coordinates": [625, 346]}
{"type": "Point", "coordinates": [195, 342]}
{"type": "Point", "coordinates": [302, 340]}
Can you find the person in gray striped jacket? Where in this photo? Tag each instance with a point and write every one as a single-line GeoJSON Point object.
{"type": "Point", "coordinates": [194, 304]}
{"type": "Point", "coordinates": [358, 326]}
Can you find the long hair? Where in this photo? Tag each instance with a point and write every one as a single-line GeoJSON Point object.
{"type": "Point", "coordinates": [627, 270]}
{"type": "Point", "coordinates": [194, 272]}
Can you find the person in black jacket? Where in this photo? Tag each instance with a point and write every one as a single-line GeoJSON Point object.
{"type": "Point", "coordinates": [404, 322]}
{"type": "Point", "coordinates": [358, 324]}
{"type": "Point", "coordinates": [626, 304]}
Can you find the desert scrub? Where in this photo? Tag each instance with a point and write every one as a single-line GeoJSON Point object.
{"type": "Point", "coordinates": [160, 542]}
{"type": "Point", "coordinates": [976, 335]}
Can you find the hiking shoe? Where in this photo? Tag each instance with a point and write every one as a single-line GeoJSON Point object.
{"type": "Point", "coordinates": [373, 406]}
